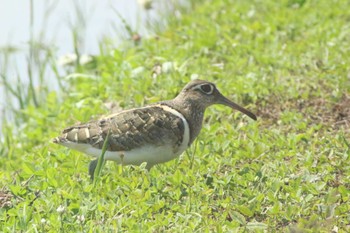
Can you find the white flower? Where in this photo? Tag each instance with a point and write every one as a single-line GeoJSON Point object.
{"type": "Point", "coordinates": [81, 218]}
{"type": "Point", "coordinates": [85, 59]}
{"type": "Point", "coordinates": [137, 71]}
{"type": "Point", "coordinates": [146, 4]}
{"type": "Point", "coordinates": [68, 59]}
{"type": "Point", "coordinates": [168, 66]}
{"type": "Point", "coordinates": [194, 76]}
{"type": "Point", "coordinates": [61, 209]}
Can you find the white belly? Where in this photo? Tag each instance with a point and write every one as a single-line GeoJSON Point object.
{"type": "Point", "coordinates": [150, 154]}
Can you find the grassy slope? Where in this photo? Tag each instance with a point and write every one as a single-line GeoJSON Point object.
{"type": "Point", "coordinates": [290, 170]}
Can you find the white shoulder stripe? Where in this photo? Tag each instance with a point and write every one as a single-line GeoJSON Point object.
{"type": "Point", "coordinates": [186, 136]}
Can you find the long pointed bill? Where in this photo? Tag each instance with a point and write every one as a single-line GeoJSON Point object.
{"type": "Point", "coordinates": [223, 100]}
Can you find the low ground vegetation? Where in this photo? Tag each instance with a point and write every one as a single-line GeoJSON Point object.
{"type": "Point", "coordinates": [287, 61]}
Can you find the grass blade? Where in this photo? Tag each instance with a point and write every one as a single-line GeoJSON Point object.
{"type": "Point", "coordinates": [347, 143]}
{"type": "Point", "coordinates": [101, 160]}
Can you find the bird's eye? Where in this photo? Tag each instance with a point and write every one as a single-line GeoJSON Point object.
{"type": "Point", "coordinates": [207, 88]}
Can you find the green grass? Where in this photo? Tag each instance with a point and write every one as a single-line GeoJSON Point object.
{"type": "Point", "coordinates": [288, 61]}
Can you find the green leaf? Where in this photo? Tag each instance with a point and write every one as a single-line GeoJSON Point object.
{"type": "Point", "coordinates": [256, 226]}
{"type": "Point", "coordinates": [245, 210]}
{"type": "Point", "coordinates": [238, 217]}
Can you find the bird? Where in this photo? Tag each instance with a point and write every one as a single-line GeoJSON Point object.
{"type": "Point", "coordinates": [156, 133]}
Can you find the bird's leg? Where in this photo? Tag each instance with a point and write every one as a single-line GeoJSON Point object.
{"type": "Point", "coordinates": [92, 167]}
{"type": "Point", "coordinates": [122, 160]}
{"type": "Point", "coordinates": [149, 166]}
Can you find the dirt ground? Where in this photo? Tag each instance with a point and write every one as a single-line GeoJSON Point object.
{"type": "Point", "coordinates": [317, 111]}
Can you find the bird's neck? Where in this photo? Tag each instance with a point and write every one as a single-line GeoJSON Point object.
{"type": "Point", "coordinates": [191, 111]}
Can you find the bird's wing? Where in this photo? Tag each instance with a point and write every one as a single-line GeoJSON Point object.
{"type": "Point", "coordinates": [128, 130]}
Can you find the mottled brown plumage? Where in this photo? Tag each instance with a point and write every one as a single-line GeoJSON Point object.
{"type": "Point", "coordinates": [129, 129]}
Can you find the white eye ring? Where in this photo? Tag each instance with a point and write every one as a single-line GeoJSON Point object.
{"type": "Point", "coordinates": [207, 89]}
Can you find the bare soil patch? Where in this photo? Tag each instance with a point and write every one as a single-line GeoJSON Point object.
{"type": "Point", "coordinates": [315, 110]}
